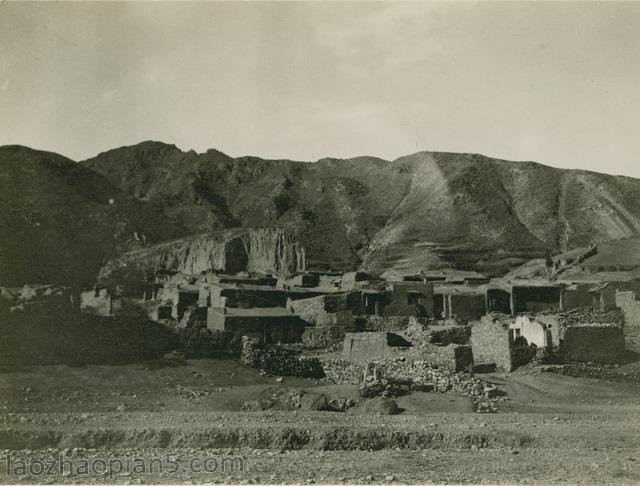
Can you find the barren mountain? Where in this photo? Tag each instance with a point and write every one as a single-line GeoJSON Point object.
{"type": "Point", "coordinates": [426, 210]}
{"type": "Point", "coordinates": [429, 209]}
{"type": "Point", "coordinates": [59, 221]}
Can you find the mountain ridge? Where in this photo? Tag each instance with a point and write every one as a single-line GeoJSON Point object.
{"type": "Point", "coordinates": [423, 210]}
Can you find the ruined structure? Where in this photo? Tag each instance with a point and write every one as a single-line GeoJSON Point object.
{"type": "Point", "coordinates": [367, 346]}
{"type": "Point", "coordinates": [492, 343]}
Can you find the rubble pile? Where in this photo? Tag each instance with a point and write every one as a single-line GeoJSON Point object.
{"type": "Point", "coordinates": [421, 374]}
{"type": "Point", "coordinates": [582, 315]}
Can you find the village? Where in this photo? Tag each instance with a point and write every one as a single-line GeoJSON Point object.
{"type": "Point", "coordinates": [337, 325]}
{"type": "Point", "coordinates": [222, 357]}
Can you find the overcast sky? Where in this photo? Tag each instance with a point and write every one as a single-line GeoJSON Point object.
{"type": "Point", "coordinates": [556, 83]}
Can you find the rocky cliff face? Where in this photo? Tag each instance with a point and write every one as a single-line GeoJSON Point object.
{"type": "Point", "coordinates": [274, 251]}
{"type": "Point", "coordinates": [253, 250]}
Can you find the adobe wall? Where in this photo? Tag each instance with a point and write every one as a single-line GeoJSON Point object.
{"type": "Point", "coordinates": [491, 343]}
{"type": "Point", "coordinates": [593, 343]}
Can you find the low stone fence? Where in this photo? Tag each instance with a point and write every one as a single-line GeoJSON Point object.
{"type": "Point", "coordinates": [278, 361]}
{"type": "Point", "coordinates": [418, 372]}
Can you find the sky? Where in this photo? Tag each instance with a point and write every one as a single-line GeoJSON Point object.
{"type": "Point", "coordinates": [557, 83]}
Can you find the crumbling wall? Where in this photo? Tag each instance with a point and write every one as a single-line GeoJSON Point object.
{"type": "Point", "coordinates": [491, 342]}
{"type": "Point", "coordinates": [597, 343]}
{"type": "Point", "coordinates": [418, 372]}
{"type": "Point", "coordinates": [452, 357]}
{"type": "Point", "coordinates": [365, 346]}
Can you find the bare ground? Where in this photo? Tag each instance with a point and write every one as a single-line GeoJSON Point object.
{"type": "Point", "coordinates": [552, 428]}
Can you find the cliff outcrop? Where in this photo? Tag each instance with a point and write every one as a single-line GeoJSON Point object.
{"type": "Point", "coordinates": [261, 250]}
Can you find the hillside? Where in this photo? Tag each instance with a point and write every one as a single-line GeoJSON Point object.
{"type": "Point", "coordinates": [59, 221]}
{"type": "Point", "coordinates": [429, 209]}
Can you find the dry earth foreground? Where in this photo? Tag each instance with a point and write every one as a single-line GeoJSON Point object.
{"type": "Point", "coordinates": [550, 428]}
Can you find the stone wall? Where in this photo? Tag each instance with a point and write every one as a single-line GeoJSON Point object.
{"type": "Point", "coordinates": [417, 372]}
{"type": "Point", "coordinates": [278, 361]}
{"type": "Point", "coordinates": [452, 357]}
{"type": "Point", "coordinates": [386, 323]}
{"type": "Point", "coordinates": [491, 342]}
{"type": "Point", "coordinates": [596, 343]}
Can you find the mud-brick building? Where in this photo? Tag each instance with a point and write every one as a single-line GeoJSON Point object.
{"type": "Point", "coordinates": [461, 302]}
{"type": "Point", "coordinates": [229, 295]}
{"type": "Point", "coordinates": [269, 324]}
{"type": "Point", "coordinates": [514, 297]}
{"type": "Point", "coordinates": [413, 299]}
{"type": "Point", "coordinates": [597, 296]}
